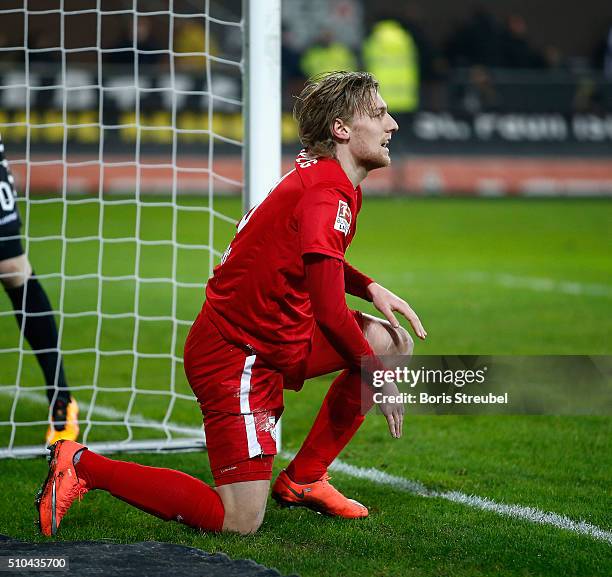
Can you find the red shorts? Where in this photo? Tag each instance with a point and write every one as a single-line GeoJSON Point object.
{"type": "Point", "coordinates": [241, 398]}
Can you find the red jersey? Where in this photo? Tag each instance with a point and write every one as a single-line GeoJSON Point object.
{"type": "Point", "coordinates": [257, 296]}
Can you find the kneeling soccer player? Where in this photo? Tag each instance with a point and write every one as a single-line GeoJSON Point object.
{"type": "Point", "coordinates": [33, 312]}
{"type": "Point", "coordinates": [275, 314]}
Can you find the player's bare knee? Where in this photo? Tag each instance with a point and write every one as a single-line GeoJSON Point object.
{"type": "Point", "coordinates": [399, 341]}
{"type": "Point", "coordinates": [14, 272]}
{"type": "Point", "coordinates": [404, 345]}
{"type": "Point", "coordinates": [386, 340]}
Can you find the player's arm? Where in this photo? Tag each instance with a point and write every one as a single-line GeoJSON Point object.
{"type": "Point", "coordinates": [325, 284]}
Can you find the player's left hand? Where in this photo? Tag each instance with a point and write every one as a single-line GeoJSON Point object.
{"type": "Point", "coordinates": [393, 412]}
{"type": "Point", "coordinates": [387, 302]}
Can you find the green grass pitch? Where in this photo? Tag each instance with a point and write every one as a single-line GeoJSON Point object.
{"type": "Point", "coordinates": [487, 276]}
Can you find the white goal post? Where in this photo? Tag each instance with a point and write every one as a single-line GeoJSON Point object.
{"type": "Point", "coordinates": [262, 111]}
{"type": "Point", "coordinates": [123, 171]}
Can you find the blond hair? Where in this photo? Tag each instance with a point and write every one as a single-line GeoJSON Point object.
{"type": "Point", "coordinates": [329, 96]}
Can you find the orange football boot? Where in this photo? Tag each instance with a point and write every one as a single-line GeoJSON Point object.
{"type": "Point", "coordinates": [319, 496]}
{"type": "Point", "coordinates": [61, 487]}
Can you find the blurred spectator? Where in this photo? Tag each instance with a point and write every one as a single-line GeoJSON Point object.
{"type": "Point", "coordinates": [478, 41]}
{"type": "Point", "coordinates": [190, 37]}
{"type": "Point", "coordinates": [479, 93]}
{"type": "Point", "coordinates": [517, 50]}
{"type": "Point", "coordinates": [554, 59]}
{"type": "Point", "coordinates": [432, 65]}
{"type": "Point", "coordinates": [602, 57]}
{"type": "Point", "coordinates": [391, 55]}
{"type": "Point", "coordinates": [608, 56]}
{"type": "Point", "coordinates": [588, 96]}
{"type": "Point", "coordinates": [409, 16]}
{"type": "Point", "coordinates": [327, 55]}
{"type": "Point", "coordinates": [292, 77]}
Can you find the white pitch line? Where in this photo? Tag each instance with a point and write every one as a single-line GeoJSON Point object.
{"type": "Point", "coordinates": [373, 475]}
{"type": "Point", "coordinates": [516, 511]}
{"type": "Point", "coordinates": [540, 284]}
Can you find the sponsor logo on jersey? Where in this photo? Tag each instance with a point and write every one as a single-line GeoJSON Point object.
{"type": "Point", "coordinates": [343, 218]}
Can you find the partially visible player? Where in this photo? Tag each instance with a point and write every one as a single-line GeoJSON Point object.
{"type": "Point", "coordinates": [275, 314]}
{"type": "Point", "coordinates": [33, 312]}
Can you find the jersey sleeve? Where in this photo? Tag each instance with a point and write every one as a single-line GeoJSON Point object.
{"type": "Point", "coordinates": [325, 283]}
{"type": "Point", "coordinates": [324, 222]}
{"type": "Point", "coordinates": [356, 283]}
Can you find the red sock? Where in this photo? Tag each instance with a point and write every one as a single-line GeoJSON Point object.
{"type": "Point", "coordinates": [165, 493]}
{"type": "Point", "coordinates": [338, 420]}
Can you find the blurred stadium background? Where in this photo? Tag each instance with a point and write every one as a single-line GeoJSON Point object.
{"type": "Point", "coordinates": [492, 98]}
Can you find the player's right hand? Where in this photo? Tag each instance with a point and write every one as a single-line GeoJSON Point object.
{"type": "Point", "coordinates": [387, 302]}
{"type": "Point", "coordinates": [393, 412]}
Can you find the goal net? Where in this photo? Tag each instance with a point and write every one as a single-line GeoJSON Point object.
{"type": "Point", "coordinates": [136, 136]}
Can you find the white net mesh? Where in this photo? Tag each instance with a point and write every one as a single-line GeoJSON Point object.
{"type": "Point", "coordinates": [122, 123]}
